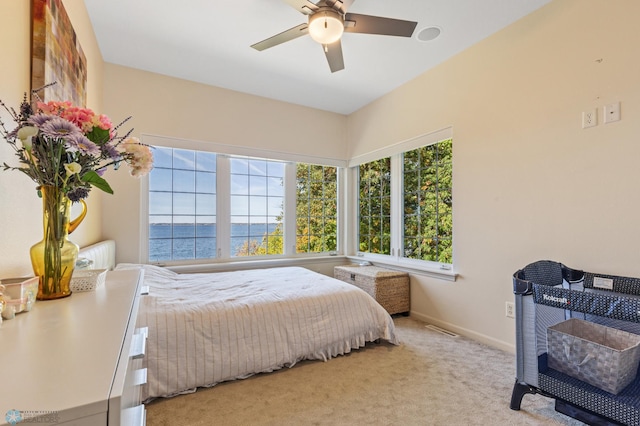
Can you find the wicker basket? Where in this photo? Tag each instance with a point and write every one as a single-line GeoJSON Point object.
{"type": "Point", "coordinates": [87, 279]}
{"type": "Point", "coordinates": [389, 288]}
{"type": "Point", "coordinates": [602, 356]}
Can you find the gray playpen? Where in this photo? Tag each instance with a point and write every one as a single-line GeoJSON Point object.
{"type": "Point", "coordinates": [547, 295]}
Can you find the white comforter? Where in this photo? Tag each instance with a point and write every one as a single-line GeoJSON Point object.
{"type": "Point", "coordinates": [208, 328]}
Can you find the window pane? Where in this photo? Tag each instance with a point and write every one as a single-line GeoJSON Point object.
{"type": "Point", "coordinates": [239, 205]}
{"type": "Point", "coordinates": [206, 227]}
{"type": "Point", "coordinates": [205, 204]}
{"type": "Point", "coordinates": [205, 248]}
{"type": "Point", "coordinates": [275, 206]}
{"type": "Point", "coordinates": [206, 161]}
{"type": "Point", "coordinates": [182, 206]}
{"type": "Point", "coordinates": [275, 186]}
{"type": "Point", "coordinates": [160, 227]}
{"type": "Point", "coordinates": [258, 206]}
{"type": "Point", "coordinates": [184, 159]}
{"type": "Point", "coordinates": [184, 230]}
{"type": "Point", "coordinates": [160, 203]}
{"type": "Point", "coordinates": [160, 249]}
{"type": "Point", "coordinates": [184, 181]}
{"type": "Point", "coordinates": [239, 184]}
{"type": "Point", "coordinates": [160, 179]}
{"type": "Point", "coordinates": [162, 157]}
{"type": "Point", "coordinates": [428, 219]}
{"type": "Point", "coordinates": [275, 168]}
{"type": "Point", "coordinates": [239, 229]}
{"type": "Point", "coordinates": [206, 182]}
{"type": "Point", "coordinates": [258, 185]}
{"type": "Point", "coordinates": [316, 203]}
{"type": "Point", "coordinates": [184, 248]}
{"type": "Point", "coordinates": [239, 165]}
{"type": "Point", "coordinates": [374, 201]}
{"type": "Point", "coordinates": [258, 167]}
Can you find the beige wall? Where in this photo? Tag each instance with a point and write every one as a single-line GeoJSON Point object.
{"type": "Point", "coordinates": [529, 182]}
{"type": "Point", "coordinates": [20, 208]}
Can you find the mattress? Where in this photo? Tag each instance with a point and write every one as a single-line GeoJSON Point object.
{"type": "Point", "coordinates": [208, 328]}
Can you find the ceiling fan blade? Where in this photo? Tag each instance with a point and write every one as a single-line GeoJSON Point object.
{"type": "Point", "coordinates": [340, 5]}
{"type": "Point", "coordinates": [355, 23]}
{"type": "Point", "coordinates": [333, 52]}
{"type": "Point", "coordinates": [284, 36]}
{"type": "Point", "coordinates": [302, 6]}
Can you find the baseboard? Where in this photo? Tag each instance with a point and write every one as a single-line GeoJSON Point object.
{"type": "Point", "coordinates": [482, 338]}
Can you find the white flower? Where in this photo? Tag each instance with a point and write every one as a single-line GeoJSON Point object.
{"type": "Point", "coordinates": [26, 134]}
{"type": "Point", "coordinates": [72, 168]}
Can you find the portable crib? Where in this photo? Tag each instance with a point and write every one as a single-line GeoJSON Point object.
{"type": "Point", "coordinates": [548, 293]}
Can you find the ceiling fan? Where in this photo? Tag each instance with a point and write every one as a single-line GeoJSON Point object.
{"type": "Point", "coordinates": [328, 19]}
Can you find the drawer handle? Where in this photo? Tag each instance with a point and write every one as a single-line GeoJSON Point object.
{"type": "Point", "coordinates": [134, 416]}
{"type": "Point", "coordinates": [140, 377]}
{"type": "Point", "coordinates": [144, 290]}
{"type": "Point", "coordinates": [138, 346]}
{"type": "Point", "coordinates": [142, 330]}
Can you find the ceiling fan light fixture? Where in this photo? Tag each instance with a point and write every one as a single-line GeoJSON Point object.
{"type": "Point", "coordinates": [326, 26]}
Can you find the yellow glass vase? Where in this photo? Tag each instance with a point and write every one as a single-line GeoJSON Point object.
{"type": "Point", "coordinates": [54, 258]}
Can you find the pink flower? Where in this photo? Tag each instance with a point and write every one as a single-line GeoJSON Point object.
{"type": "Point", "coordinates": [104, 122]}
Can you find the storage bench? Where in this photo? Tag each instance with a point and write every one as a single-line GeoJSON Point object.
{"type": "Point", "coordinates": [389, 288]}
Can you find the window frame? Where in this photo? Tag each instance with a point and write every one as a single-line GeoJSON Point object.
{"type": "Point", "coordinates": [223, 254]}
{"type": "Point", "coordinates": [396, 258]}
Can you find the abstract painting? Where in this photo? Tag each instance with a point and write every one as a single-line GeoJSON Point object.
{"type": "Point", "coordinates": [56, 55]}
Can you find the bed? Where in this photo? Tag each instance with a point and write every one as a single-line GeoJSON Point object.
{"type": "Point", "coordinates": [207, 328]}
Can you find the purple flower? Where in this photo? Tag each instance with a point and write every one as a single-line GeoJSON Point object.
{"type": "Point", "coordinates": [39, 119]}
{"type": "Point", "coordinates": [58, 127]}
{"type": "Point", "coordinates": [82, 144]}
{"type": "Point", "coordinates": [78, 194]}
{"type": "Point", "coordinates": [110, 151]}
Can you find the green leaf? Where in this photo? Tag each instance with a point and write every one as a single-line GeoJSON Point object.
{"type": "Point", "coordinates": [98, 135]}
{"type": "Point", "coordinates": [93, 178]}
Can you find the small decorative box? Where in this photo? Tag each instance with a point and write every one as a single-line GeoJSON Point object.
{"type": "Point", "coordinates": [87, 279]}
{"type": "Point", "coordinates": [20, 293]}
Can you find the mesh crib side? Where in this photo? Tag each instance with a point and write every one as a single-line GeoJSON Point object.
{"type": "Point", "coordinates": [530, 319]}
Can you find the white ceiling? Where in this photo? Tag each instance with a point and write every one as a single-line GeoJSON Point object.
{"type": "Point", "coordinates": [208, 41]}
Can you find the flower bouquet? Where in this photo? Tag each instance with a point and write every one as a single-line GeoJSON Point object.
{"type": "Point", "coordinates": [65, 150]}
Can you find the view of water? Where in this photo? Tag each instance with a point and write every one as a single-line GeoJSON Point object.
{"type": "Point", "coordinates": [182, 242]}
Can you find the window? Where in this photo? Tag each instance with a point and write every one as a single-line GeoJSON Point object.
{"type": "Point", "coordinates": [316, 208]}
{"type": "Point", "coordinates": [427, 218]}
{"type": "Point", "coordinates": [413, 189]}
{"type": "Point", "coordinates": [204, 205]}
{"type": "Point", "coordinates": [375, 206]}
{"type": "Point", "coordinates": [257, 194]}
{"type": "Point", "coordinates": [182, 205]}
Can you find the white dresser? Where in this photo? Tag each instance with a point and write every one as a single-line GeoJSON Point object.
{"type": "Point", "coordinates": [76, 361]}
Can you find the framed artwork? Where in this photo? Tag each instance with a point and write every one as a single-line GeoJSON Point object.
{"type": "Point", "coordinates": [56, 55]}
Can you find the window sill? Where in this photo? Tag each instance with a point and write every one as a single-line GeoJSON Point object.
{"type": "Point", "coordinates": [253, 264]}
{"type": "Point", "coordinates": [442, 274]}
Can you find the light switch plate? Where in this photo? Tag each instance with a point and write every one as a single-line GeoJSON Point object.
{"type": "Point", "coordinates": [612, 112]}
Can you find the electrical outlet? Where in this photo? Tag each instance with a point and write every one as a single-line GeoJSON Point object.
{"type": "Point", "coordinates": [510, 310]}
{"type": "Point", "coordinates": [589, 118]}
